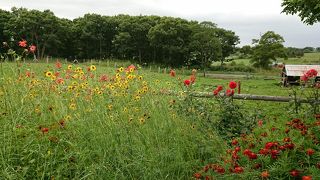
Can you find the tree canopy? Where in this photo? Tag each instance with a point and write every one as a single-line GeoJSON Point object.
{"type": "Point", "coordinates": [267, 48]}
{"type": "Point", "coordinates": [144, 39]}
{"type": "Point", "coordinates": [307, 10]}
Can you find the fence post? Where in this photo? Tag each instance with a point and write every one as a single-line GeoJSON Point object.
{"type": "Point", "coordinates": [239, 87]}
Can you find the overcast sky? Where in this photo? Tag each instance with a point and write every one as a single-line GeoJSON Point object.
{"type": "Point", "coordinates": [247, 18]}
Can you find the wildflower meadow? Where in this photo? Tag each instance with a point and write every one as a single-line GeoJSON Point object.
{"type": "Point", "coordinates": [62, 120]}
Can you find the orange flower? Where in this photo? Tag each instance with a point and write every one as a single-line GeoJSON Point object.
{"type": "Point", "coordinates": [58, 65]}
{"type": "Point", "coordinates": [23, 43]}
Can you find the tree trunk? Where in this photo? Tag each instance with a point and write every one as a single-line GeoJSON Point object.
{"type": "Point", "coordinates": [140, 56]}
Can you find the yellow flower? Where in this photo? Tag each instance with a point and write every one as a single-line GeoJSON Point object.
{"type": "Point", "coordinates": [48, 74]}
{"type": "Point", "coordinates": [140, 77]}
{"type": "Point", "coordinates": [69, 66]}
{"type": "Point", "coordinates": [93, 68]}
{"type": "Point", "coordinates": [67, 117]}
{"type": "Point", "coordinates": [73, 106]}
{"type": "Point", "coordinates": [142, 120]}
{"type": "Point", "coordinates": [137, 98]}
{"type": "Point", "coordinates": [131, 70]}
{"type": "Point", "coordinates": [109, 106]}
{"type": "Point", "coordinates": [53, 77]}
{"type": "Point", "coordinates": [120, 69]}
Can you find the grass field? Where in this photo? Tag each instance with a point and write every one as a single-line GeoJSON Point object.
{"type": "Point", "coordinates": [99, 122]}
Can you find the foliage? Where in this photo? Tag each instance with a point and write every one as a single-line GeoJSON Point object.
{"type": "Point", "coordinates": [268, 47]}
{"type": "Point", "coordinates": [308, 11]}
{"type": "Point", "coordinates": [142, 39]}
{"type": "Point", "coordinates": [292, 52]}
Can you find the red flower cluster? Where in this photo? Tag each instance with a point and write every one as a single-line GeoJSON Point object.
{"type": "Point", "coordinates": [309, 74]}
{"type": "Point", "coordinates": [217, 90]}
{"type": "Point", "coordinates": [299, 125]}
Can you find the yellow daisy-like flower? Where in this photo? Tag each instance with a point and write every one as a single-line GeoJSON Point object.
{"type": "Point", "coordinates": [109, 106]}
{"type": "Point", "coordinates": [140, 77]}
{"type": "Point", "coordinates": [48, 74]}
{"type": "Point", "coordinates": [137, 98]}
{"type": "Point", "coordinates": [120, 69]}
{"type": "Point", "coordinates": [53, 77]}
{"type": "Point", "coordinates": [73, 106]}
{"type": "Point", "coordinates": [67, 117]}
{"type": "Point", "coordinates": [142, 120]}
{"type": "Point", "coordinates": [93, 68]}
{"type": "Point", "coordinates": [69, 66]}
{"type": "Point", "coordinates": [131, 70]}
{"type": "Point", "coordinates": [99, 92]}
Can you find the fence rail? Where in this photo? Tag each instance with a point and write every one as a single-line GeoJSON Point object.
{"type": "Point", "coordinates": [251, 97]}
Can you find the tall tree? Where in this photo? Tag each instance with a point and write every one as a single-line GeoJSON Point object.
{"type": "Point", "coordinates": [307, 10]}
{"type": "Point", "coordinates": [205, 47]}
{"type": "Point", "coordinates": [39, 28]}
{"type": "Point", "coordinates": [228, 40]}
{"type": "Point", "coordinates": [267, 48]}
{"type": "Point", "coordinates": [171, 36]}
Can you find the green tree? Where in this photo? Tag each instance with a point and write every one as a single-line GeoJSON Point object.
{"type": "Point", "coordinates": [307, 10]}
{"type": "Point", "coordinates": [228, 40]}
{"type": "Point", "coordinates": [171, 36]}
{"type": "Point", "coordinates": [267, 48]}
{"type": "Point", "coordinates": [4, 16]}
{"type": "Point", "coordinates": [205, 47]}
{"type": "Point", "coordinates": [246, 50]}
{"type": "Point", "coordinates": [38, 28]}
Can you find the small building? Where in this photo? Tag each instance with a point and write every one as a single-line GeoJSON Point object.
{"type": "Point", "coordinates": [291, 73]}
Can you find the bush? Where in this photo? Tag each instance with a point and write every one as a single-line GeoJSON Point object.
{"type": "Point", "coordinates": [233, 68]}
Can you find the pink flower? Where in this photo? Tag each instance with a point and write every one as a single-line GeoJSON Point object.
{"type": "Point", "coordinates": [32, 48]}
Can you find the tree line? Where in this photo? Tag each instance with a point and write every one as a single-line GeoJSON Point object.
{"type": "Point", "coordinates": [144, 39]}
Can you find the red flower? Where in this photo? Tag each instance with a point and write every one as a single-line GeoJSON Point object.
{"type": "Point", "coordinates": [172, 73]}
{"type": "Point", "coordinates": [311, 73]}
{"type": "Point", "coordinates": [103, 78]}
{"type": "Point", "coordinates": [192, 78]}
{"type": "Point", "coordinates": [32, 48]}
{"type": "Point", "coordinates": [247, 152]}
{"type": "Point", "coordinates": [220, 170]}
{"type": "Point", "coordinates": [238, 170]}
{"type": "Point", "coordinates": [260, 122]}
{"type": "Point", "coordinates": [232, 85]}
{"type": "Point", "coordinates": [23, 43]}
{"type": "Point", "coordinates": [219, 88]}
{"type": "Point", "coordinates": [252, 155]}
{"type": "Point", "coordinates": [229, 92]}
{"type": "Point", "coordinates": [234, 142]}
{"type": "Point", "coordinates": [265, 174]}
{"type": "Point", "coordinates": [304, 78]}
{"type": "Point", "coordinates": [215, 92]}
{"type": "Point", "coordinates": [264, 151]}
{"type": "Point", "coordinates": [187, 82]}
{"type": "Point", "coordinates": [269, 145]}
{"type": "Point", "coordinates": [287, 139]}
{"type": "Point", "coordinates": [44, 130]}
{"type": "Point", "coordinates": [237, 149]}
{"type": "Point", "coordinates": [306, 177]}
{"type": "Point", "coordinates": [290, 146]}
{"type": "Point", "coordinates": [197, 175]}
{"type": "Point", "coordinates": [310, 151]}
{"type": "Point", "coordinates": [58, 65]}
{"type": "Point", "coordinates": [294, 173]}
